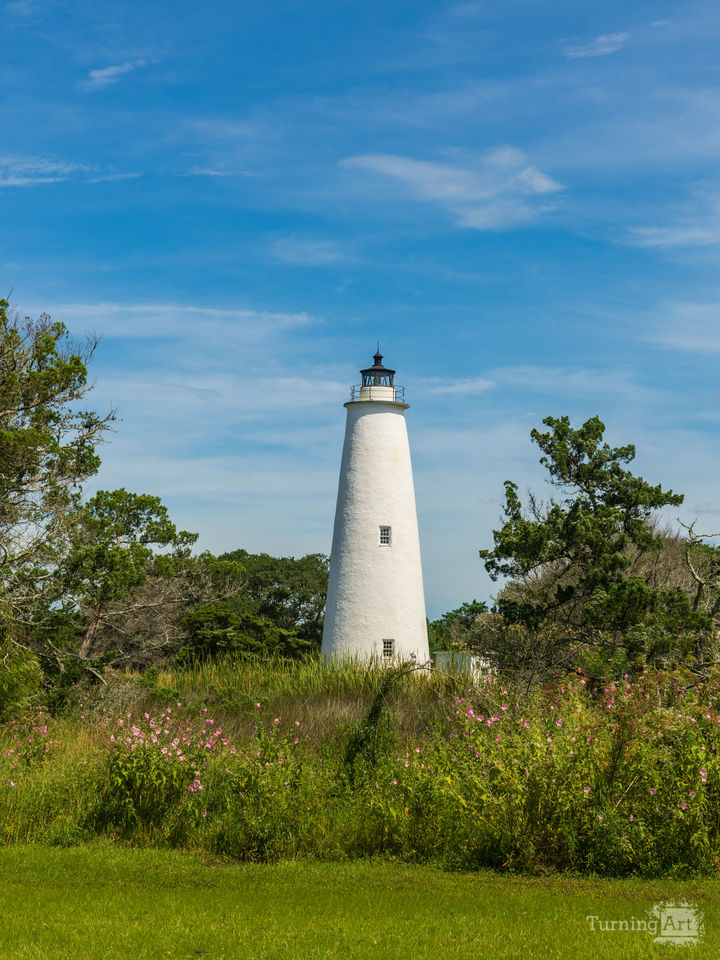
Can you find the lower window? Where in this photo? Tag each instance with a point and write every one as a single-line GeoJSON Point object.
{"type": "Point", "coordinates": [388, 649]}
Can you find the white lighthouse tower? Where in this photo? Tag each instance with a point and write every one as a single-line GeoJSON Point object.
{"type": "Point", "coordinates": [375, 604]}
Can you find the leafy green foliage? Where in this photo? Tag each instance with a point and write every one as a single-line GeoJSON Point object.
{"type": "Point", "coordinates": [289, 592]}
{"type": "Point", "coordinates": [113, 546]}
{"type": "Point", "coordinates": [47, 448]}
{"type": "Point", "coordinates": [277, 612]}
{"type": "Point", "coordinates": [219, 628]}
{"type": "Point", "coordinates": [20, 674]}
{"type": "Point", "coordinates": [577, 560]}
{"type": "Point", "coordinates": [456, 628]}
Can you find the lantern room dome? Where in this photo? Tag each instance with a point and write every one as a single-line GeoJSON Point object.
{"type": "Point", "coordinates": [378, 383]}
{"type": "Point", "coordinates": [378, 375]}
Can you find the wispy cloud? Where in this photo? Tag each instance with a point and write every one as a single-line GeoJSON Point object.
{"type": "Point", "coordinates": [111, 177]}
{"type": "Point", "coordinates": [690, 327]}
{"type": "Point", "coordinates": [98, 79]}
{"type": "Point", "coordinates": [467, 9]}
{"type": "Point", "coordinates": [696, 225]}
{"type": "Point", "coordinates": [307, 252]}
{"type": "Point", "coordinates": [601, 46]}
{"type": "Point", "coordinates": [583, 386]}
{"type": "Point", "coordinates": [495, 192]}
{"type": "Point", "coordinates": [220, 172]}
{"type": "Point", "coordinates": [177, 319]}
{"type": "Point", "coordinates": [460, 387]}
{"type": "Point", "coordinates": [32, 171]}
{"type": "Point", "coordinates": [21, 8]}
{"type": "Point", "coordinates": [28, 171]}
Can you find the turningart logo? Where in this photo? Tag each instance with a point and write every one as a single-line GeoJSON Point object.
{"type": "Point", "coordinates": [673, 923]}
{"type": "Point", "coordinates": [679, 923]}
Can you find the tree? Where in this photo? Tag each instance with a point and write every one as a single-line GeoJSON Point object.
{"type": "Point", "coordinates": [47, 449]}
{"type": "Point", "coordinates": [578, 561]}
{"type": "Point", "coordinates": [113, 548]}
{"type": "Point", "coordinates": [279, 610]}
{"type": "Point", "coordinates": [20, 673]}
{"type": "Point", "coordinates": [456, 628]}
{"type": "Point", "coordinates": [287, 591]}
{"type": "Point", "coordinates": [154, 623]}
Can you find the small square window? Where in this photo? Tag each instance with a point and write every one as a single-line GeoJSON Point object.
{"type": "Point", "coordinates": [385, 535]}
{"type": "Point", "coordinates": [388, 649]}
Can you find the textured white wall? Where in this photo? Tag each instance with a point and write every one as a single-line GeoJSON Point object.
{"type": "Point", "coordinates": [375, 591]}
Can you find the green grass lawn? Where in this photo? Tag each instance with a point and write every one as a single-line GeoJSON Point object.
{"type": "Point", "coordinates": [104, 901]}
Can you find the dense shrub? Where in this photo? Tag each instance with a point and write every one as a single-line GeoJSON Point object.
{"type": "Point", "coordinates": [20, 677]}
{"type": "Point", "coordinates": [616, 780]}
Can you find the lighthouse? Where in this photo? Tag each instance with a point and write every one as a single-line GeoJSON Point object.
{"type": "Point", "coordinates": [375, 605]}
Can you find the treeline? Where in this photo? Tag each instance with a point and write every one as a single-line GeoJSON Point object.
{"type": "Point", "coordinates": [88, 583]}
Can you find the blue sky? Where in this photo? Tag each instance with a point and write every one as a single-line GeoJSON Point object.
{"type": "Point", "coordinates": [520, 200]}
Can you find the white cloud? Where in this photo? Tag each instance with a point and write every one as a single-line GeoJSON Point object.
{"type": "Point", "coordinates": [697, 224]}
{"type": "Point", "coordinates": [21, 8]}
{"type": "Point", "coordinates": [98, 79]}
{"type": "Point", "coordinates": [599, 47]}
{"type": "Point", "coordinates": [31, 171]}
{"type": "Point", "coordinates": [145, 320]}
{"type": "Point", "coordinates": [677, 235]}
{"type": "Point", "coordinates": [28, 171]}
{"type": "Point", "coordinates": [460, 387]}
{"type": "Point", "coordinates": [690, 327]}
{"type": "Point", "coordinates": [220, 172]}
{"type": "Point", "coordinates": [575, 382]}
{"type": "Point", "coordinates": [307, 252]}
{"type": "Point", "coordinates": [111, 177]}
{"type": "Point", "coordinates": [467, 9]}
{"type": "Point", "coordinates": [496, 192]}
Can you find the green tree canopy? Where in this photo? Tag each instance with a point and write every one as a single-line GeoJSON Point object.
{"type": "Point", "coordinates": [115, 544]}
{"type": "Point", "coordinates": [456, 629]}
{"type": "Point", "coordinates": [279, 609]}
{"type": "Point", "coordinates": [577, 559]}
{"type": "Point", "coordinates": [47, 446]}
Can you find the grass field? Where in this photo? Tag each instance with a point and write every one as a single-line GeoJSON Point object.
{"type": "Point", "coordinates": [106, 902]}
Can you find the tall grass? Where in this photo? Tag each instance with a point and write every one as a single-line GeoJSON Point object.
{"type": "Point", "coordinates": [324, 694]}
{"type": "Point", "coordinates": [262, 762]}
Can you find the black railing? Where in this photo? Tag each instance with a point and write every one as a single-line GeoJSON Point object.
{"type": "Point", "coordinates": [380, 393]}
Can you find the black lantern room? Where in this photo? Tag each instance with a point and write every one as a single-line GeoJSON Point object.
{"type": "Point", "coordinates": [377, 375]}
